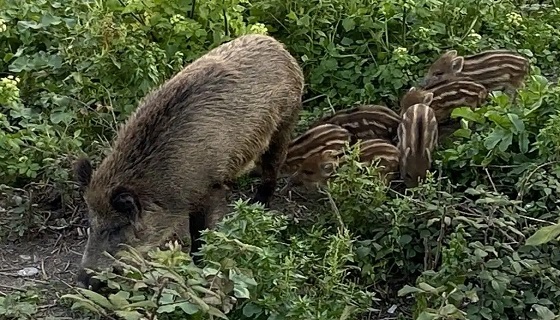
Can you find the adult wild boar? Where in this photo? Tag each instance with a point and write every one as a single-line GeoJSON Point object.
{"type": "Point", "coordinates": [170, 160]}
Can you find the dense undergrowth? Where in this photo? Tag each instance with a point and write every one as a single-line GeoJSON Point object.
{"type": "Point", "coordinates": [453, 248]}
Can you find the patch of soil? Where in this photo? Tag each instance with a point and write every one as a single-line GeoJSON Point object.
{"type": "Point", "coordinates": [57, 258]}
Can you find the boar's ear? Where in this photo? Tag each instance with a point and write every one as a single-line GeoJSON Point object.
{"type": "Point", "coordinates": [125, 201]}
{"type": "Point", "coordinates": [457, 64]}
{"type": "Point", "coordinates": [428, 98]}
{"type": "Point", "coordinates": [83, 171]}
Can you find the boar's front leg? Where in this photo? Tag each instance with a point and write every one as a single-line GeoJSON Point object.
{"type": "Point", "coordinates": [217, 206]}
{"type": "Point", "coordinates": [272, 160]}
{"type": "Point", "coordinates": [211, 212]}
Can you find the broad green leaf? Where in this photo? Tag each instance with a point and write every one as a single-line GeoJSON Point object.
{"type": "Point", "coordinates": [466, 113]}
{"type": "Point", "coordinates": [543, 312]}
{"type": "Point", "coordinates": [188, 307]}
{"type": "Point", "coordinates": [544, 235]}
{"type": "Point", "coordinates": [129, 315]}
{"type": "Point", "coordinates": [493, 139]}
{"type": "Point", "coordinates": [348, 24]}
{"type": "Point", "coordinates": [506, 142]}
{"type": "Point", "coordinates": [241, 292]}
{"type": "Point", "coordinates": [119, 299]}
{"type": "Point", "coordinates": [48, 19]}
{"type": "Point", "coordinates": [251, 309]}
{"type": "Point", "coordinates": [408, 290]}
{"type": "Point", "coordinates": [517, 123]}
{"type": "Point", "coordinates": [20, 64]}
{"type": "Point", "coordinates": [97, 298]}
{"type": "Point", "coordinates": [427, 316]}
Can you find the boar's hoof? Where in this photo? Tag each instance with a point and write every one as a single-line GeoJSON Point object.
{"type": "Point", "coordinates": [261, 199]}
{"type": "Point", "coordinates": [86, 281]}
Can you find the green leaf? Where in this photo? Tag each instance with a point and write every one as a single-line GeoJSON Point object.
{"type": "Point", "coordinates": [543, 312]}
{"type": "Point", "coordinates": [493, 139]}
{"type": "Point", "coordinates": [348, 24]}
{"type": "Point", "coordinates": [167, 308]}
{"type": "Point", "coordinates": [467, 114]}
{"type": "Point", "coordinates": [304, 21]}
{"type": "Point", "coordinates": [188, 307]}
{"type": "Point", "coordinates": [405, 239]}
{"type": "Point", "coordinates": [493, 263]}
{"type": "Point", "coordinates": [57, 117]}
{"type": "Point", "coordinates": [523, 141]}
{"type": "Point", "coordinates": [129, 315]}
{"type": "Point", "coordinates": [506, 142]}
{"type": "Point", "coordinates": [20, 64]}
{"type": "Point", "coordinates": [517, 123]}
{"type": "Point", "coordinates": [119, 299]}
{"type": "Point", "coordinates": [49, 19]}
{"type": "Point", "coordinates": [29, 25]}
{"type": "Point", "coordinates": [408, 290]}
{"type": "Point", "coordinates": [84, 303]}
{"type": "Point", "coordinates": [250, 310]}
{"type": "Point", "coordinates": [241, 292]}
{"type": "Point", "coordinates": [427, 316]}
{"type": "Point", "coordinates": [96, 297]}
{"type": "Point", "coordinates": [449, 309]}
{"type": "Point", "coordinates": [544, 235]}
{"type": "Point", "coordinates": [499, 119]}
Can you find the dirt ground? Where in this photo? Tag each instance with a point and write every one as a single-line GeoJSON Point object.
{"type": "Point", "coordinates": [56, 255]}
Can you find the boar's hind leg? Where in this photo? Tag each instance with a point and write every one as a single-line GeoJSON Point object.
{"type": "Point", "coordinates": [271, 161]}
{"type": "Point", "coordinates": [215, 207]}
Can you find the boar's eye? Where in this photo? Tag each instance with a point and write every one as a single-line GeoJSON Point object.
{"type": "Point", "coordinates": [438, 74]}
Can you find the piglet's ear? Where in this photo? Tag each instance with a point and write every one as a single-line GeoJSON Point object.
{"type": "Point", "coordinates": [428, 98]}
{"type": "Point", "coordinates": [412, 89]}
{"type": "Point", "coordinates": [451, 53]}
{"type": "Point", "coordinates": [457, 64]}
{"type": "Point", "coordinates": [126, 201]}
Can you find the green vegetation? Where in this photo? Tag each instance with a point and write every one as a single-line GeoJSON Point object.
{"type": "Point", "coordinates": [453, 248]}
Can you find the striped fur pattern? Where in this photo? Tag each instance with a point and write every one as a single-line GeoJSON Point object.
{"type": "Point", "coordinates": [417, 136]}
{"type": "Point", "coordinates": [446, 96]}
{"type": "Point", "coordinates": [494, 69]}
{"type": "Point", "coordinates": [314, 142]}
{"type": "Point", "coordinates": [384, 151]}
{"type": "Point", "coordinates": [318, 168]}
{"type": "Point", "coordinates": [366, 122]}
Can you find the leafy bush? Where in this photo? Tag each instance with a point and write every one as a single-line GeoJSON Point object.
{"type": "Point", "coordinates": [249, 258]}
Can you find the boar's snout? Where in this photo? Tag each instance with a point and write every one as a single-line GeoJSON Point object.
{"type": "Point", "coordinates": [86, 281]}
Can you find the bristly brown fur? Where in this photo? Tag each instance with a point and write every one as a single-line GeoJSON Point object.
{"type": "Point", "coordinates": [187, 139]}
{"type": "Point", "coordinates": [417, 134]}
{"type": "Point", "coordinates": [365, 122]}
